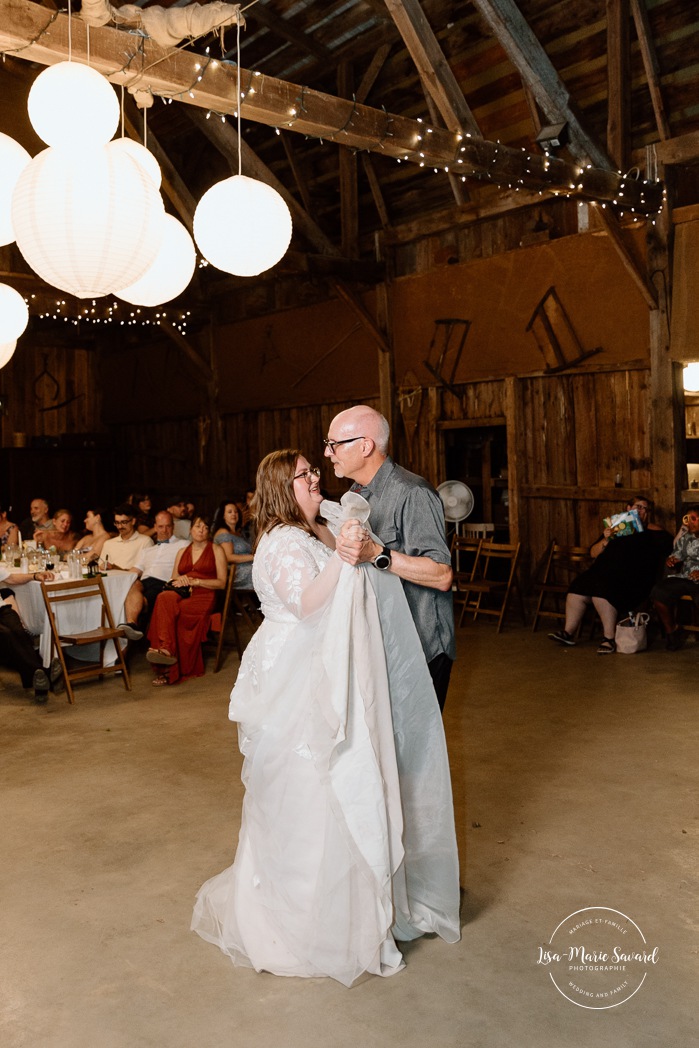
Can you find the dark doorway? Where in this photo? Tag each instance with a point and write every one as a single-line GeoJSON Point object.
{"type": "Point", "coordinates": [477, 455]}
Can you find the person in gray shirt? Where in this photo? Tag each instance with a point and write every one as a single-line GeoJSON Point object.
{"type": "Point", "coordinates": [406, 515]}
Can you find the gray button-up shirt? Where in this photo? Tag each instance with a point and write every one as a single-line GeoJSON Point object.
{"type": "Point", "coordinates": [407, 516]}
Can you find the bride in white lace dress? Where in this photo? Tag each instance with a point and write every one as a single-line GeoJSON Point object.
{"type": "Point", "coordinates": [347, 837]}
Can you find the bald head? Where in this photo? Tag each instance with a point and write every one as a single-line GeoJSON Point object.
{"type": "Point", "coordinates": [359, 443]}
{"type": "Point", "coordinates": [363, 421]}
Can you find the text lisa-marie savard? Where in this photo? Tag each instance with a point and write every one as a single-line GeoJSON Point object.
{"type": "Point", "coordinates": [581, 955]}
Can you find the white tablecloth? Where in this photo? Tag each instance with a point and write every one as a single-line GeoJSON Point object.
{"type": "Point", "coordinates": [74, 616]}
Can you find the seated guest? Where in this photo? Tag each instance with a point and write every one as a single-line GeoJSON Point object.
{"type": "Point", "coordinates": [620, 580]}
{"type": "Point", "coordinates": [38, 518]}
{"type": "Point", "coordinates": [9, 532]}
{"type": "Point", "coordinates": [682, 579]}
{"type": "Point", "coordinates": [123, 552]}
{"type": "Point", "coordinates": [153, 568]}
{"type": "Point", "coordinates": [59, 535]}
{"type": "Point", "coordinates": [178, 509]}
{"type": "Point", "coordinates": [145, 521]}
{"type": "Point", "coordinates": [238, 550]}
{"type": "Point", "coordinates": [179, 623]}
{"type": "Point", "coordinates": [16, 648]}
{"type": "Point", "coordinates": [100, 527]}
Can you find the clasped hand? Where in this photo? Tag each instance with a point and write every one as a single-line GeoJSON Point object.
{"type": "Point", "coordinates": [354, 544]}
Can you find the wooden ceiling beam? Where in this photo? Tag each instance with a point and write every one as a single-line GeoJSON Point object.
{"type": "Point", "coordinates": [135, 61]}
{"type": "Point", "coordinates": [432, 66]}
{"type": "Point", "coordinates": [618, 82]}
{"type": "Point", "coordinates": [281, 27]}
{"type": "Point", "coordinates": [614, 232]}
{"type": "Point", "coordinates": [536, 69]}
{"type": "Point", "coordinates": [650, 64]}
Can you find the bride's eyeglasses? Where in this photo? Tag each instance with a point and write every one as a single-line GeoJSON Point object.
{"type": "Point", "coordinates": [309, 475]}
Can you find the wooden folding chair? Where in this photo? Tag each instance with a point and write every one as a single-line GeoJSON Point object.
{"type": "Point", "coordinates": [690, 622]}
{"type": "Point", "coordinates": [464, 552]}
{"type": "Point", "coordinates": [561, 565]}
{"type": "Point", "coordinates": [494, 577]}
{"type": "Point", "coordinates": [242, 601]}
{"type": "Point", "coordinates": [90, 591]}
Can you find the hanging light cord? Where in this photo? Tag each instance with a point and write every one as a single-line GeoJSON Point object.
{"type": "Point", "coordinates": [237, 60]}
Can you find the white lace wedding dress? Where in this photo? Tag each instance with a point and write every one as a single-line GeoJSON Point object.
{"type": "Point", "coordinates": [347, 838]}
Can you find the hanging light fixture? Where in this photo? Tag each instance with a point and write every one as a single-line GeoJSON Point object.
{"type": "Point", "coordinates": [169, 274]}
{"type": "Point", "coordinates": [87, 223]}
{"type": "Point", "coordinates": [13, 159]}
{"type": "Point", "coordinates": [6, 352]}
{"type": "Point", "coordinates": [690, 378]}
{"type": "Point", "coordinates": [141, 155]}
{"type": "Point", "coordinates": [72, 106]}
{"type": "Point", "coordinates": [241, 225]}
{"type": "Point", "coordinates": [14, 315]}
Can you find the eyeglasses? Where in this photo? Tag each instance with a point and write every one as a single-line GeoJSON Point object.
{"type": "Point", "coordinates": [123, 523]}
{"type": "Point", "coordinates": [332, 444]}
{"type": "Point", "coordinates": [308, 474]}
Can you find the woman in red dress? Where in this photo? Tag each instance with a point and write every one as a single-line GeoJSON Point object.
{"type": "Point", "coordinates": [179, 624]}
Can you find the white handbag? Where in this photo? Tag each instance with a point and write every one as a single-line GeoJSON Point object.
{"type": "Point", "coordinates": [632, 633]}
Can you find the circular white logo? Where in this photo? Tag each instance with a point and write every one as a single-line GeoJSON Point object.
{"type": "Point", "coordinates": [597, 957]}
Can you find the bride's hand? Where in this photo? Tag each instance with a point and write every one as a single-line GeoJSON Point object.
{"type": "Point", "coordinates": [353, 543]}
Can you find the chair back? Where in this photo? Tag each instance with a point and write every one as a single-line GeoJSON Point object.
{"type": "Point", "coordinates": [84, 593]}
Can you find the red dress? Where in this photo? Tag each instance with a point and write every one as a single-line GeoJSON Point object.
{"type": "Point", "coordinates": [180, 624]}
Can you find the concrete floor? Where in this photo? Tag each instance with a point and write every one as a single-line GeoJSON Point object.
{"type": "Point", "coordinates": [575, 781]}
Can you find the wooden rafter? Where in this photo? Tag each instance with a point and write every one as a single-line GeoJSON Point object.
{"type": "Point", "coordinates": [650, 64]}
{"type": "Point", "coordinates": [347, 164]}
{"type": "Point", "coordinates": [431, 64]}
{"type": "Point", "coordinates": [611, 224]}
{"type": "Point", "coordinates": [281, 27]}
{"type": "Point", "coordinates": [133, 61]}
{"type": "Point", "coordinates": [454, 181]}
{"type": "Point", "coordinates": [618, 82]}
{"type": "Point", "coordinates": [536, 69]}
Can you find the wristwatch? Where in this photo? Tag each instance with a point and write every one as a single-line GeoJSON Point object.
{"type": "Point", "coordinates": [383, 560]}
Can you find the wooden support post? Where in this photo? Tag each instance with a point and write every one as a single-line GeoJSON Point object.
{"type": "Point", "coordinates": [667, 397]}
{"type": "Point", "coordinates": [513, 414]}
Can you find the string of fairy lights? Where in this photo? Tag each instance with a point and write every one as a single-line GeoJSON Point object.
{"type": "Point", "coordinates": [117, 313]}
{"type": "Point", "coordinates": [126, 316]}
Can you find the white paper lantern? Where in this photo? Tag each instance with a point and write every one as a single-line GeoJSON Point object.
{"type": "Point", "coordinates": [170, 273]}
{"type": "Point", "coordinates": [72, 106]}
{"type": "Point", "coordinates": [242, 226]}
{"type": "Point", "coordinates": [6, 352]}
{"type": "Point", "coordinates": [13, 159]}
{"type": "Point", "coordinates": [142, 156]}
{"type": "Point", "coordinates": [87, 224]}
{"type": "Point", "coordinates": [14, 315]}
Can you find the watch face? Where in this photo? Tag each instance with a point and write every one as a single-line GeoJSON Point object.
{"type": "Point", "coordinates": [382, 562]}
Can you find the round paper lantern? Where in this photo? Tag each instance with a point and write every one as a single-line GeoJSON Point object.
{"type": "Point", "coordinates": [170, 273]}
{"type": "Point", "coordinates": [691, 378]}
{"type": "Point", "coordinates": [72, 106]}
{"type": "Point", "coordinates": [242, 226]}
{"type": "Point", "coordinates": [13, 159]}
{"type": "Point", "coordinates": [141, 155]}
{"type": "Point", "coordinates": [14, 315]}
{"type": "Point", "coordinates": [87, 224]}
{"type": "Point", "coordinates": [6, 352]}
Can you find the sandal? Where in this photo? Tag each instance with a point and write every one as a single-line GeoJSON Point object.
{"type": "Point", "coordinates": [160, 681]}
{"type": "Point", "coordinates": [607, 647]}
{"type": "Point", "coordinates": [160, 657]}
